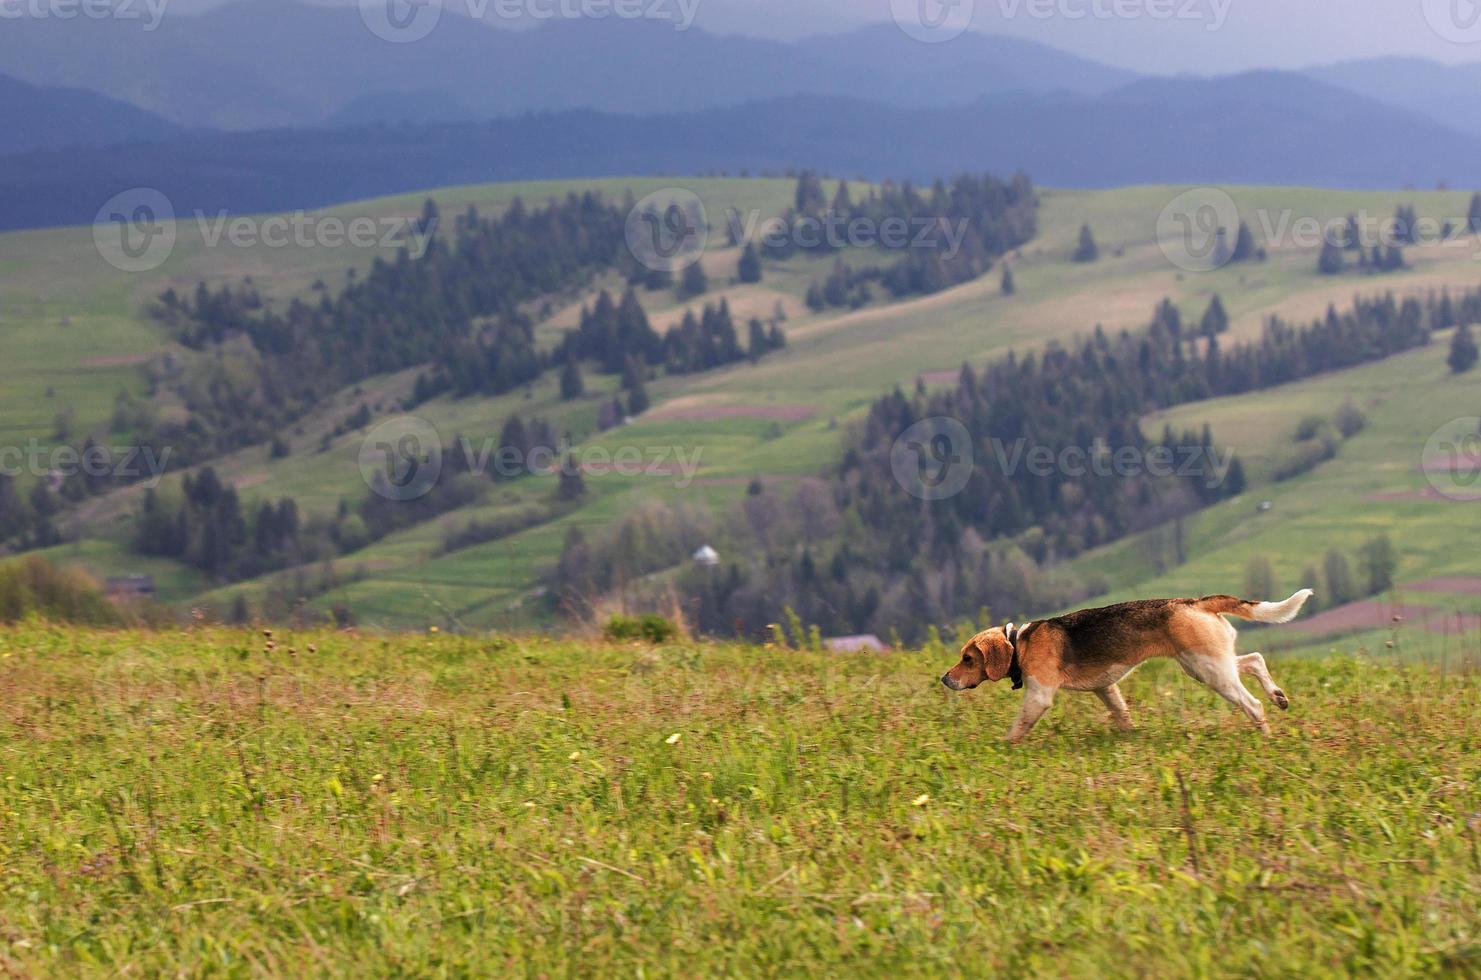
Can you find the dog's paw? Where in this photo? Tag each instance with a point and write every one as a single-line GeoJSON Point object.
{"type": "Point", "coordinates": [1279, 697]}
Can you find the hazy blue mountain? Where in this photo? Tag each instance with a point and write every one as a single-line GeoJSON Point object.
{"type": "Point", "coordinates": [1264, 128]}
{"type": "Point", "coordinates": [33, 117]}
{"type": "Point", "coordinates": [1450, 94]}
{"type": "Point", "coordinates": [398, 109]}
{"type": "Point", "coordinates": [265, 63]}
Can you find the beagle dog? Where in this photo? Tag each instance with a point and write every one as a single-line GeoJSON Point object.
{"type": "Point", "coordinates": [1092, 649]}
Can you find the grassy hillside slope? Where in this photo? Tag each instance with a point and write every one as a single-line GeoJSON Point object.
{"type": "Point", "coordinates": [783, 418]}
{"type": "Point", "coordinates": [1375, 485]}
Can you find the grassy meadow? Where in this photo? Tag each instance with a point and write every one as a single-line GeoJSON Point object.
{"type": "Point", "coordinates": [220, 802]}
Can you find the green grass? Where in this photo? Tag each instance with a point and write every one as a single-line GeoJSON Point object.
{"type": "Point", "coordinates": [192, 803]}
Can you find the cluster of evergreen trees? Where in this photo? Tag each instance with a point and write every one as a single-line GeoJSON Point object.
{"type": "Point", "coordinates": [205, 527]}
{"type": "Point", "coordinates": [619, 338]}
{"type": "Point", "coordinates": [462, 478]}
{"type": "Point", "coordinates": [456, 306]}
{"type": "Point", "coordinates": [610, 333]}
{"type": "Point", "coordinates": [1345, 248]}
{"type": "Point", "coordinates": [27, 522]}
{"type": "Point", "coordinates": [710, 340]}
{"type": "Point", "coordinates": [992, 216]}
{"type": "Point", "coordinates": [1243, 249]}
{"type": "Point", "coordinates": [1336, 583]}
{"type": "Point", "coordinates": [845, 286]}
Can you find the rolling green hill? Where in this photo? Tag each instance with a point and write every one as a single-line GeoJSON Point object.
{"type": "Point", "coordinates": [783, 419]}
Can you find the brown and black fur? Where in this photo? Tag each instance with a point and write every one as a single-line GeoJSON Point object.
{"type": "Point", "coordinates": [1092, 649]}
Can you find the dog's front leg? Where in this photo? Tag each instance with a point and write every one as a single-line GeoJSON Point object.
{"type": "Point", "coordinates": [1110, 696]}
{"type": "Point", "coordinates": [1036, 700]}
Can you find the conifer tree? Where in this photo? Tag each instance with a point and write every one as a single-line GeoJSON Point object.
{"type": "Point", "coordinates": [1223, 254]}
{"type": "Point", "coordinates": [1463, 352]}
{"type": "Point", "coordinates": [430, 217]}
{"type": "Point", "coordinates": [810, 198]}
{"type": "Point", "coordinates": [1087, 250]}
{"type": "Point", "coordinates": [1379, 563]}
{"type": "Point", "coordinates": [1259, 577]}
{"type": "Point", "coordinates": [1310, 579]}
{"type": "Point", "coordinates": [750, 264]}
{"type": "Point", "coordinates": [572, 484]}
{"type": "Point", "coordinates": [815, 299]}
{"type": "Point", "coordinates": [1338, 575]}
{"type": "Point", "coordinates": [1331, 262]}
{"type": "Point", "coordinates": [1244, 244]}
{"type": "Point", "coordinates": [757, 345]}
{"type": "Point", "coordinates": [1009, 286]}
{"type": "Point", "coordinates": [842, 203]}
{"type": "Point", "coordinates": [694, 282]}
{"type": "Point", "coordinates": [572, 386]}
{"type": "Point", "coordinates": [1215, 321]}
{"type": "Point", "coordinates": [637, 399]}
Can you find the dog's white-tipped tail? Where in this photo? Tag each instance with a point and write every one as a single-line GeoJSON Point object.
{"type": "Point", "coordinates": [1280, 612]}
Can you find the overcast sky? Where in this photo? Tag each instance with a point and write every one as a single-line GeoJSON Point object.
{"type": "Point", "coordinates": [1199, 36]}
{"type": "Point", "coordinates": [1152, 36]}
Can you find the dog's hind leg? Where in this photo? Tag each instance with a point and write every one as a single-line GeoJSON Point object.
{"type": "Point", "coordinates": [1254, 665]}
{"type": "Point", "coordinates": [1111, 697]}
{"type": "Point", "coordinates": [1221, 672]}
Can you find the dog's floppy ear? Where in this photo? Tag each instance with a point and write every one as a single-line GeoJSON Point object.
{"type": "Point", "coordinates": [997, 653]}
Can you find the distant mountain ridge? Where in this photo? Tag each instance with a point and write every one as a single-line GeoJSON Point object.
{"type": "Point", "coordinates": [1446, 93]}
{"type": "Point", "coordinates": [1258, 128]}
{"type": "Point", "coordinates": [268, 63]}
{"type": "Point", "coordinates": [36, 118]}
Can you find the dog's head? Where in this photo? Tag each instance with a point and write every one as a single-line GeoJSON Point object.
{"type": "Point", "coordinates": [988, 656]}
